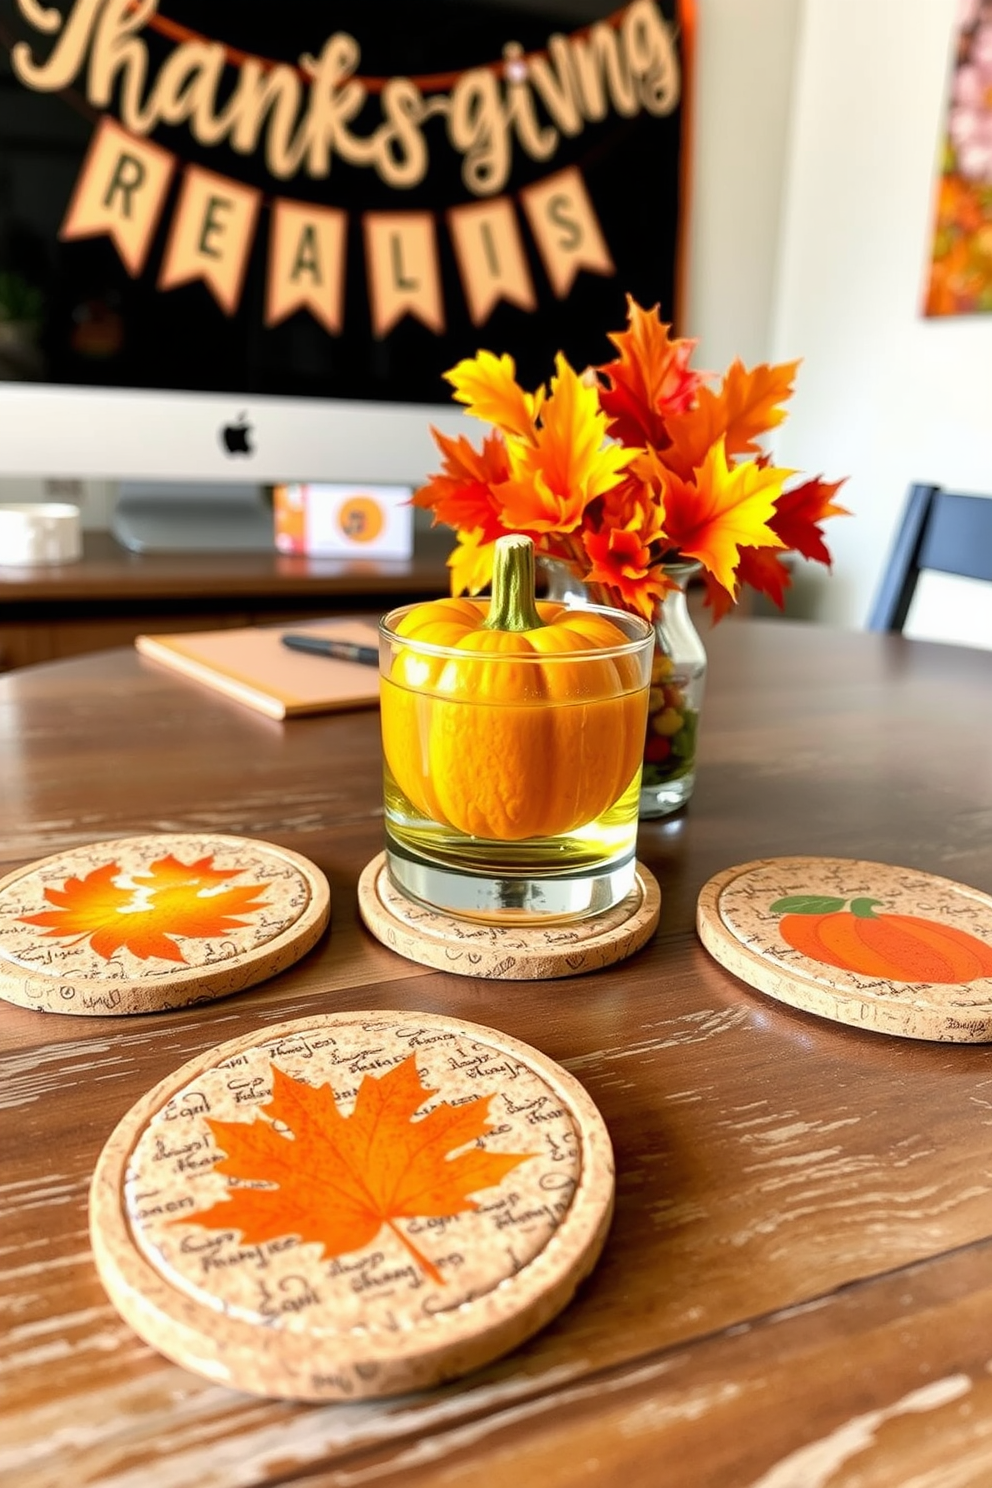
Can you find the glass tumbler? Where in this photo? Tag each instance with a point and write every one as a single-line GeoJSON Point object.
{"type": "Point", "coordinates": [512, 777]}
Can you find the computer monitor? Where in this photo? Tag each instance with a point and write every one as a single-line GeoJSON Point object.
{"type": "Point", "coordinates": [243, 243]}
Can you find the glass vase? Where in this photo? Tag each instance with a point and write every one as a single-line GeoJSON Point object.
{"type": "Point", "coordinates": [678, 679]}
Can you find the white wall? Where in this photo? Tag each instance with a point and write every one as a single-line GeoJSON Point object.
{"type": "Point", "coordinates": [836, 273]}
{"type": "Point", "coordinates": [741, 110]}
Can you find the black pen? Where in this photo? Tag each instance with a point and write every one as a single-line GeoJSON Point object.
{"type": "Point", "coordinates": [339, 650]}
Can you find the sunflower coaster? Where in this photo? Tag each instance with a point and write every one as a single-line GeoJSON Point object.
{"type": "Point", "coordinates": [352, 1205]}
{"type": "Point", "coordinates": [506, 952]}
{"type": "Point", "coordinates": [880, 947]}
{"type": "Point", "coordinates": [141, 924]}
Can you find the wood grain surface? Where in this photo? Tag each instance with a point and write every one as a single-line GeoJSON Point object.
{"type": "Point", "coordinates": [797, 1286]}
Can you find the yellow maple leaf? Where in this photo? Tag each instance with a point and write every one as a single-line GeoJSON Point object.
{"type": "Point", "coordinates": [471, 563]}
{"type": "Point", "coordinates": [487, 385]}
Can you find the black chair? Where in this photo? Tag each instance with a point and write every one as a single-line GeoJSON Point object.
{"type": "Point", "coordinates": [940, 530]}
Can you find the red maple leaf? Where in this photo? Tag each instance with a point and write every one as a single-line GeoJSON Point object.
{"type": "Point", "coordinates": [798, 513]}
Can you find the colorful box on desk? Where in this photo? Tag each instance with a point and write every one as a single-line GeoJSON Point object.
{"type": "Point", "coordinates": [343, 521]}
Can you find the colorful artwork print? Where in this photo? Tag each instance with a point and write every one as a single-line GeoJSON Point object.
{"type": "Point", "coordinates": [144, 912]}
{"type": "Point", "coordinates": [337, 1180]}
{"type": "Point", "coordinates": [960, 279]}
{"type": "Point", "coordinates": [852, 935]}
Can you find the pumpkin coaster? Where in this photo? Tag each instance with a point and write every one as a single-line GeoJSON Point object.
{"type": "Point", "coordinates": [880, 947]}
{"type": "Point", "coordinates": [352, 1205]}
{"type": "Point", "coordinates": [507, 952]}
{"type": "Point", "coordinates": [141, 924]}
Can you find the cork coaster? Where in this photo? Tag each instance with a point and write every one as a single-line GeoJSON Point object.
{"type": "Point", "coordinates": [141, 924]}
{"type": "Point", "coordinates": [880, 947]}
{"type": "Point", "coordinates": [506, 952]}
{"type": "Point", "coordinates": [352, 1205]}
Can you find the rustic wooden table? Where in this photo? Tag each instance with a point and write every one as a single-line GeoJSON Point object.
{"type": "Point", "coordinates": [797, 1287]}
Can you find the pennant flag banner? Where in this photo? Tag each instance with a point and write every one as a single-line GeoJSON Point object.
{"type": "Point", "coordinates": [496, 189]}
{"type": "Point", "coordinates": [211, 235]}
{"type": "Point", "coordinates": [491, 257]}
{"type": "Point", "coordinates": [122, 190]}
{"type": "Point", "coordinates": [306, 264]}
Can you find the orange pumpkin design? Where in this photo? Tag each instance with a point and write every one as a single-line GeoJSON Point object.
{"type": "Point", "coordinates": [899, 947]}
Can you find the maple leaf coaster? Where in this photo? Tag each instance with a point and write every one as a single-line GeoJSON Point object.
{"type": "Point", "coordinates": [140, 924]}
{"type": "Point", "coordinates": [352, 1205]}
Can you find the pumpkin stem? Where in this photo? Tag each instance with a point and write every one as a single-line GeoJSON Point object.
{"type": "Point", "coordinates": [864, 909]}
{"type": "Point", "coordinates": [513, 606]}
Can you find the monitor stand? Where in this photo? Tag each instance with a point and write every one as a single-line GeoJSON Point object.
{"type": "Point", "coordinates": [189, 517]}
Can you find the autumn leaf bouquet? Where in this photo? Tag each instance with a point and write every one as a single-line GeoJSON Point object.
{"type": "Point", "coordinates": [624, 469]}
{"type": "Point", "coordinates": [626, 473]}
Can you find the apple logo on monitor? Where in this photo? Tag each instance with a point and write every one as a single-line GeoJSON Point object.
{"type": "Point", "coordinates": [236, 437]}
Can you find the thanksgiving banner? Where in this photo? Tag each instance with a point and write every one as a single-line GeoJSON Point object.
{"type": "Point", "coordinates": [304, 123]}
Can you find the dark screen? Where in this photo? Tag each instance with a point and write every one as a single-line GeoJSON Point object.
{"type": "Point", "coordinates": [71, 313]}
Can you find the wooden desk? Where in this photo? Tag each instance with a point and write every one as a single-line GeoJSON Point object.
{"type": "Point", "coordinates": [797, 1288]}
{"type": "Point", "coordinates": [52, 611]}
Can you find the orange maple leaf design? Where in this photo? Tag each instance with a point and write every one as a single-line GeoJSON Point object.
{"type": "Point", "coordinates": [337, 1180]}
{"type": "Point", "coordinates": [170, 899]}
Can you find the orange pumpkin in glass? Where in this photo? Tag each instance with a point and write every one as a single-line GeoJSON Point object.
{"type": "Point", "coordinates": [513, 733]}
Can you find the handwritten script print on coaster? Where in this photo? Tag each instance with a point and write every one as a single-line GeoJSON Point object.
{"type": "Point", "coordinates": [886, 948]}
{"type": "Point", "coordinates": [140, 924]}
{"type": "Point", "coordinates": [506, 952]}
{"type": "Point", "coordinates": [352, 1205]}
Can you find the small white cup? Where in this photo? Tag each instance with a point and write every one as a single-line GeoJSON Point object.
{"type": "Point", "coordinates": [39, 532]}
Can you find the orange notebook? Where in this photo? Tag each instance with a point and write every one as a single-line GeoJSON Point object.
{"type": "Point", "coordinates": [250, 663]}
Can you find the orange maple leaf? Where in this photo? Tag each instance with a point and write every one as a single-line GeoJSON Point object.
{"type": "Point", "coordinates": [619, 560]}
{"type": "Point", "coordinates": [762, 569]}
{"type": "Point", "coordinates": [177, 900]}
{"type": "Point", "coordinates": [567, 465]}
{"type": "Point", "coordinates": [336, 1180]}
{"type": "Point", "coordinates": [650, 381]}
{"type": "Point", "coordinates": [724, 510]}
{"type": "Point", "coordinates": [461, 496]}
{"type": "Point", "coordinates": [747, 405]}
